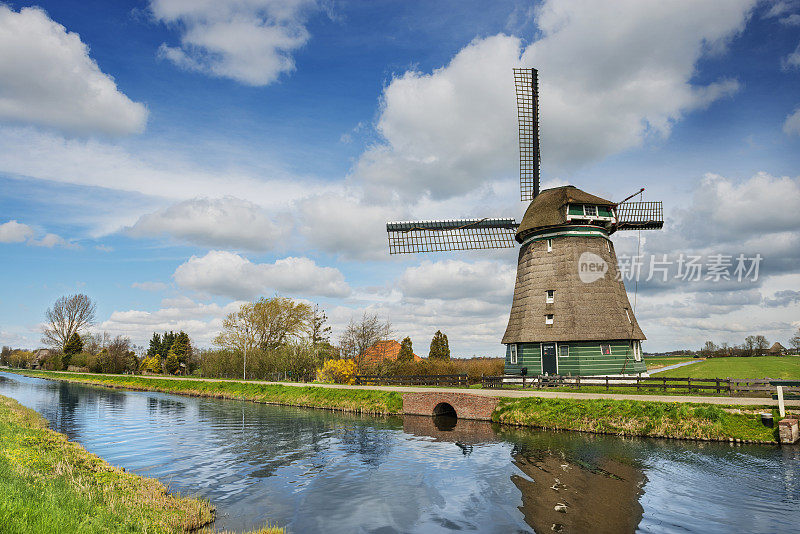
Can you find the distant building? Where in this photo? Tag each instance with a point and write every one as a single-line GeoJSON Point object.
{"type": "Point", "coordinates": [384, 350]}
{"type": "Point", "coordinates": [39, 357]}
{"type": "Point", "coordinates": [776, 350]}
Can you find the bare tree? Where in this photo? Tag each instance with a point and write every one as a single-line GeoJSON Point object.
{"type": "Point", "coordinates": [239, 333]}
{"type": "Point", "coordinates": [795, 341]}
{"type": "Point", "coordinates": [69, 315]}
{"type": "Point", "coordinates": [361, 335]}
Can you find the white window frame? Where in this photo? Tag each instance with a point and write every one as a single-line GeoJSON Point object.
{"type": "Point", "coordinates": [549, 245]}
{"type": "Point", "coordinates": [590, 208]}
{"type": "Point", "coordinates": [637, 351]}
{"type": "Point", "coordinates": [609, 349]}
{"type": "Point", "coordinates": [513, 354]}
{"type": "Point", "coordinates": [559, 347]}
{"type": "Point", "coordinates": [608, 245]}
{"type": "Point", "coordinates": [549, 296]}
{"type": "Point", "coordinates": [628, 315]}
{"type": "Point", "coordinates": [549, 318]}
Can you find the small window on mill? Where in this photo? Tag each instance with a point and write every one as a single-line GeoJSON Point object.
{"type": "Point", "coordinates": [548, 319]}
{"type": "Point", "coordinates": [551, 296]}
{"type": "Point", "coordinates": [563, 351]}
{"type": "Point", "coordinates": [605, 350]}
{"type": "Point", "coordinates": [513, 352]}
{"type": "Point", "coordinates": [590, 211]}
{"type": "Point", "coordinates": [549, 245]}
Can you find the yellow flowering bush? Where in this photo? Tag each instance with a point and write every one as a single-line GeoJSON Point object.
{"type": "Point", "coordinates": [338, 372]}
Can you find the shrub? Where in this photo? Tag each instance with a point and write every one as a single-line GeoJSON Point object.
{"type": "Point", "coordinates": [338, 371]}
{"type": "Point", "coordinates": [151, 364]}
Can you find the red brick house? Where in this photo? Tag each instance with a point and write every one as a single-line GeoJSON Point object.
{"type": "Point", "coordinates": [384, 350]}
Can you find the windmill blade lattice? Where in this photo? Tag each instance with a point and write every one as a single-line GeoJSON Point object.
{"type": "Point", "coordinates": [640, 216]}
{"type": "Point", "coordinates": [526, 82]}
{"type": "Point", "coordinates": [440, 236]}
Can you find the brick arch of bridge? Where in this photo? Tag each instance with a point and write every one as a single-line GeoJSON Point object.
{"type": "Point", "coordinates": [466, 406]}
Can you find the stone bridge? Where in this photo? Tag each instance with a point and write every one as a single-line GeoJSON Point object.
{"type": "Point", "coordinates": [460, 405]}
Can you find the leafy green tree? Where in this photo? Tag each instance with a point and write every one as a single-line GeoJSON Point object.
{"type": "Point", "coordinates": [155, 345]}
{"type": "Point", "coordinates": [406, 351]}
{"type": "Point", "coordinates": [167, 340]}
{"type": "Point", "coordinates": [439, 347]}
{"type": "Point", "coordinates": [172, 364]}
{"type": "Point", "coordinates": [182, 347]}
{"type": "Point", "coordinates": [73, 346]}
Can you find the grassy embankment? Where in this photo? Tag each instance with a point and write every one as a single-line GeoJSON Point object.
{"type": "Point", "coordinates": [49, 484]}
{"type": "Point", "coordinates": [348, 400]}
{"type": "Point", "coordinates": [637, 418]}
{"type": "Point", "coordinates": [782, 367]}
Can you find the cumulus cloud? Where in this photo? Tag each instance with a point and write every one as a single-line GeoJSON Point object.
{"type": "Point", "coordinates": [783, 298]}
{"type": "Point", "coordinates": [47, 78]}
{"type": "Point", "coordinates": [448, 131]}
{"type": "Point", "coordinates": [723, 211]}
{"type": "Point", "coordinates": [250, 41]}
{"type": "Point", "coordinates": [455, 279]}
{"type": "Point", "coordinates": [792, 60]}
{"type": "Point", "coordinates": [14, 232]}
{"type": "Point", "coordinates": [223, 223]}
{"type": "Point", "coordinates": [229, 274]}
{"type": "Point", "coordinates": [792, 123]}
{"type": "Point", "coordinates": [200, 320]}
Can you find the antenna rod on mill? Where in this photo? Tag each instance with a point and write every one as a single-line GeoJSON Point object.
{"type": "Point", "coordinates": [630, 197]}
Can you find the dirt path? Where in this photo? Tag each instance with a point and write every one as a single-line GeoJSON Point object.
{"type": "Point", "coordinates": [514, 393]}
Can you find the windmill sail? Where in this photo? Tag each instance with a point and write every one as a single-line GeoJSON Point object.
{"type": "Point", "coordinates": [640, 216]}
{"type": "Point", "coordinates": [460, 234]}
{"type": "Point", "coordinates": [526, 82]}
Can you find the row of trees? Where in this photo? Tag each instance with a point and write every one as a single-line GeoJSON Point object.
{"type": "Point", "coordinates": [753, 345]}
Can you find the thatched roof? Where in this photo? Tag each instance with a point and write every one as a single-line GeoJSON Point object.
{"type": "Point", "coordinates": [582, 311]}
{"type": "Point", "coordinates": [777, 348]}
{"type": "Point", "coordinates": [545, 210]}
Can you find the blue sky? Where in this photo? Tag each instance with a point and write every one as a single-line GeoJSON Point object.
{"type": "Point", "coordinates": [171, 158]}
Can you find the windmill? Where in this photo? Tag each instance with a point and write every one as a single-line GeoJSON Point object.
{"type": "Point", "coordinates": [570, 314]}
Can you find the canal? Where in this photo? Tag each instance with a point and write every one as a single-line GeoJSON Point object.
{"type": "Point", "coordinates": [320, 471]}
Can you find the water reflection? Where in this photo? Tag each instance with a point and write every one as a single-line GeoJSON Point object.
{"type": "Point", "coordinates": [320, 471]}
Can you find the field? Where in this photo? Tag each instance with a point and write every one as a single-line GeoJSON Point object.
{"type": "Point", "coordinates": [49, 484]}
{"type": "Point", "coordinates": [782, 367]}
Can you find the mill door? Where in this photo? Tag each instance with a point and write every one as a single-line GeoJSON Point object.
{"type": "Point", "coordinates": [549, 358]}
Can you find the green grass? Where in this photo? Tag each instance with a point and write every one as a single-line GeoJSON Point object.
{"type": "Point", "coordinates": [350, 400]}
{"type": "Point", "coordinates": [635, 418]}
{"type": "Point", "coordinates": [49, 484]}
{"type": "Point", "coordinates": [783, 367]}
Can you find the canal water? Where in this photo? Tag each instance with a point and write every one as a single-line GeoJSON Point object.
{"type": "Point", "coordinates": [319, 471]}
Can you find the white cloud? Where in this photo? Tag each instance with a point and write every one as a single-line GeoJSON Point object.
{"type": "Point", "coordinates": [149, 286]}
{"type": "Point", "coordinates": [792, 123]}
{"type": "Point", "coordinates": [250, 41]}
{"type": "Point", "coordinates": [52, 240]}
{"type": "Point", "coordinates": [14, 232]}
{"type": "Point", "coordinates": [222, 223]}
{"type": "Point", "coordinates": [609, 77]}
{"type": "Point", "coordinates": [229, 274]}
{"type": "Point", "coordinates": [792, 60]}
{"type": "Point", "coordinates": [791, 20]}
{"type": "Point", "coordinates": [455, 279]}
{"type": "Point", "coordinates": [47, 78]}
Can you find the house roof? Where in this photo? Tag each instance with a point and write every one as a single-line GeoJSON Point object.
{"type": "Point", "coordinates": [384, 350]}
{"type": "Point", "coordinates": [777, 347]}
{"type": "Point", "coordinates": [545, 210]}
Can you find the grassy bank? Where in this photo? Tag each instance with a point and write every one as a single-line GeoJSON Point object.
{"type": "Point", "coordinates": [349, 400]}
{"type": "Point", "coordinates": [782, 367]}
{"type": "Point", "coordinates": [664, 361]}
{"type": "Point", "coordinates": [636, 418]}
{"type": "Point", "coordinates": [49, 484]}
